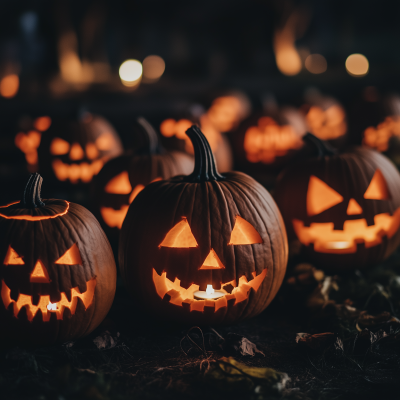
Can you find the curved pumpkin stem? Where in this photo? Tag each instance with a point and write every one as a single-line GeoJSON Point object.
{"type": "Point", "coordinates": [31, 198]}
{"type": "Point", "coordinates": [152, 145]}
{"type": "Point", "coordinates": [323, 148]}
{"type": "Point", "coordinates": [205, 168]}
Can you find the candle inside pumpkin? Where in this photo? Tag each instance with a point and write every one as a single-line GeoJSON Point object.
{"type": "Point", "coordinates": [52, 306]}
{"type": "Point", "coordinates": [209, 294]}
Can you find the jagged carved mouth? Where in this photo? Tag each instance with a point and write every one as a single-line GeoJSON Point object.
{"type": "Point", "coordinates": [44, 305]}
{"type": "Point", "coordinates": [185, 297]}
{"type": "Point", "coordinates": [74, 172]}
{"type": "Point", "coordinates": [328, 240]}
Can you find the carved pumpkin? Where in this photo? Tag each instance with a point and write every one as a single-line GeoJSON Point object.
{"type": "Point", "coordinates": [268, 140]}
{"type": "Point", "coordinates": [57, 270]}
{"type": "Point", "coordinates": [343, 208]}
{"type": "Point", "coordinates": [28, 140]}
{"type": "Point", "coordinates": [203, 248]}
{"type": "Point", "coordinates": [122, 178]}
{"type": "Point", "coordinates": [76, 150]}
{"type": "Point", "coordinates": [325, 117]}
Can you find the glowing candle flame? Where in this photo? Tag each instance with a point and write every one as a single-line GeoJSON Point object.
{"type": "Point", "coordinates": [210, 289]}
{"type": "Point", "coordinates": [52, 306]}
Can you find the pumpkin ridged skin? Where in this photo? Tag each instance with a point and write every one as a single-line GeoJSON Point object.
{"type": "Point", "coordinates": [210, 207]}
{"type": "Point", "coordinates": [47, 240]}
{"type": "Point", "coordinates": [349, 174]}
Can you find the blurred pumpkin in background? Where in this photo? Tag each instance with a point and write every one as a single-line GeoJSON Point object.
{"type": "Point", "coordinates": [268, 140]}
{"type": "Point", "coordinates": [325, 117]}
{"type": "Point", "coordinates": [28, 138]}
{"type": "Point", "coordinates": [76, 149]}
{"type": "Point", "coordinates": [124, 177]}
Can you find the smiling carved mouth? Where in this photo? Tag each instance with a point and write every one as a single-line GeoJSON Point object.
{"type": "Point", "coordinates": [83, 171]}
{"type": "Point", "coordinates": [328, 240]}
{"type": "Point", "coordinates": [185, 297]}
{"type": "Point", "coordinates": [44, 302]}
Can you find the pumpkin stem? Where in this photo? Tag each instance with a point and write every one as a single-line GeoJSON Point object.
{"type": "Point", "coordinates": [31, 197]}
{"type": "Point", "coordinates": [152, 145]}
{"type": "Point", "coordinates": [205, 168]}
{"type": "Point", "coordinates": [323, 148]}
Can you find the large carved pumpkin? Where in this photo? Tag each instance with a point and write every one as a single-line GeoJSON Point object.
{"type": "Point", "coordinates": [203, 248]}
{"type": "Point", "coordinates": [343, 208]}
{"type": "Point", "coordinates": [122, 178]}
{"type": "Point", "coordinates": [76, 149]}
{"type": "Point", "coordinates": [57, 270]}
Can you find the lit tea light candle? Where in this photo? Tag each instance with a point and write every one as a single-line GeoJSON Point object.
{"type": "Point", "coordinates": [338, 245]}
{"type": "Point", "coordinates": [52, 306]}
{"type": "Point", "coordinates": [209, 294]}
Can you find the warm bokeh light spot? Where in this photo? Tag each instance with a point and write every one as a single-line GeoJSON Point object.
{"type": "Point", "coordinates": [130, 72]}
{"type": "Point", "coordinates": [357, 65]}
{"type": "Point", "coordinates": [316, 64]}
{"type": "Point", "coordinates": [9, 86]}
{"type": "Point", "coordinates": [153, 68]}
{"type": "Point", "coordinates": [42, 123]}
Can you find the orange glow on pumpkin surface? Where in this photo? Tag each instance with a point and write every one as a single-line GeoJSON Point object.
{"type": "Point", "coordinates": [35, 217]}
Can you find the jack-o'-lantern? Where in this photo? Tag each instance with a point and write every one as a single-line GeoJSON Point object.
{"type": "Point", "coordinates": [76, 150]}
{"type": "Point", "coordinates": [203, 248]}
{"type": "Point", "coordinates": [325, 117]}
{"type": "Point", "coordinates": [29, 139]}
{"type": "Point", "coordinates": [122, 178]}
{"type": "Point", "coordinates": [57, 270]}
{"type": "Point", "coordinates": [343, 208]}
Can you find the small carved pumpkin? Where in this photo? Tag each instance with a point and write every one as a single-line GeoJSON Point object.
{"type": "Point", "coordinates": [122, 178]}
{"type": "Point", "coordinates": [57, 270]}
{"type": "Point", "coordinates": [203, 248]}
{"type": "Point", "coordinates": [343, 208]}
{"type": "Point", "coordinates": [76, 150]}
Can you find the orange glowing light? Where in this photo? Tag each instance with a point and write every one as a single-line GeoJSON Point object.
{"type": "Point", "coordinates": [326, 239]}
{"type": "Point", "coordinates": [12, 257]}
{"type": "Point", "coordinates": [378, 138]}
{"type": "Point", "coordinates": [244, 233]}
{"type": "Point", "coordinates": [42, 123]}
{"type": "Point", "coordinates": [377, 189]}
{"type": "Point", "coordinates": [268, 140]}
{"type": "Point", "coordinates": [75, 172]}
{"type": "Point", "coordinates": [212, 261]}
{"type": "Point", "coordinates": [114, 218]}
{"type": "Point", "coordinates": [35, 217]}
{"type": "Point", "coordinates": [105, 141]}
{"type": "Point", "coordinates": [59, 147]}
{"type": "Point", "coordinates": [119, 184]}
{"type": "Point", "coordinates": [28, 144]}
{"type": "Point", "coordinates": [76, 152]}
{"type": "Point", "coordinates": [353, 208]}
{"type": "Point", "coordinates": [320, 196]}
{"type": "Point", "coordinates": [316, 64]}
{"type": "Point", "coordinates": [130, 72]}
{"type": "Point", "coordinates": [180, 236]}
{"type": "Point", "coordinates": [91, 151]}
{"type": "Point", "coordinates": [25, 301]}
{"type": "Point", "coordinates": [9, 86]}
{"type": "Point", "coordinates": [185, 297]}
{"type": "Point", "coordinates": [357, 65]}
{"type": "Point", "coordinates": [329, 124]}
{"type": "Point", "coordinates": [39, 274]}
{"type": "Point", "coordinates": [71, 257]}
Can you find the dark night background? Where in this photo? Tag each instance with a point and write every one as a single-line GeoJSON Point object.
{"type": "Point", "coordinates": [210, 48]}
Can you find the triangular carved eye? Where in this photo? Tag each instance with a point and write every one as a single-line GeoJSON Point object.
{"type": "Point", "coordinates": [377, 189]}
{"type": "Point", "coordinates": [244, 233]}
{"type": "Point", "coordinates": [320, 196]}
{"type": "Point", "coordinates": [71, 257]}
{"type": "Point", "coordinates": [180, 236]}
{"type": "Point", "coordinates": [12, 257]}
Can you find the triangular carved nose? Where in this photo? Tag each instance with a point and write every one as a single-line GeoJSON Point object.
{"type": "Point", "coordinates": [40, 274]}
{"type": "Point", "coordinates": [353, 208]}
{"type": "Point", "coordinates": [212, 261]}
